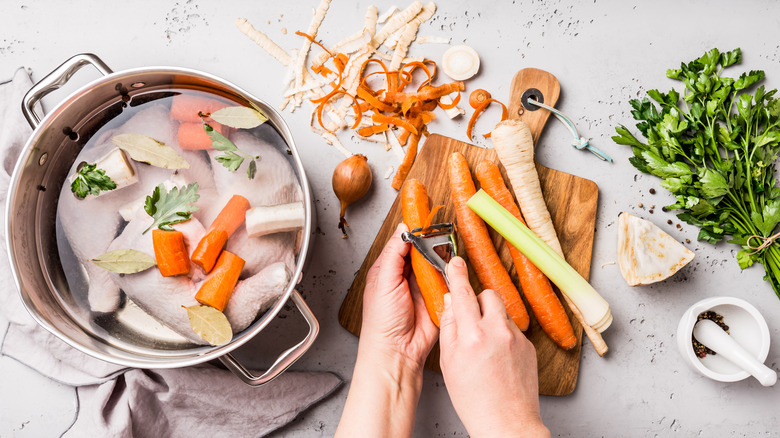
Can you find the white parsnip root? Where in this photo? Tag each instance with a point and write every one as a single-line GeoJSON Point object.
{"type": "Point", "coordinates": [263, 41]}
{"type": "Point", "coordinates": [514, 145]}
{"type": "Point", "coordinates": [515, 148]}
{"type": "Point", "coordinates": [264, 220]}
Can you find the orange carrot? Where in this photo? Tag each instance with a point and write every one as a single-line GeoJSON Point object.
{"type": "Point", "coordinates": [187, 108]}
{"type": "Point", "coordinates": [415, 211]}
{"type": "Point", "coordinates": [218, 286]}
{"type": "Point", "coordinates": [232, 215]}
{"type": "Point", "coordinates": [228, 220]}
{"type": "Point", "coordinates": [192, 135]}
{"type": "Point", "coordinates": [209, 248]}
{"type": "Point", "coordinates": [537, 288]}
{"type": "Point", "coordinates": [479, 247]}
{"type": "Point", "coordinates": [170, 253]}
{"type": "Point", "coordinates": [406, 165]}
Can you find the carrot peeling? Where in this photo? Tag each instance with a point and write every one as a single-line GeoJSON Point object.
{"type": "Point", "coordinates": [536, 287]}
{"type": "Point", "coordinates": [218, 286]}
{"type": "Point", "coordinates": [393, 120]}
{"type": "Point", "coordinates": [170, 253]}
{"type": "Point", "coordinates": [373, 129]}
{"type": "Point", "coordinates": [478, 244]}
{"type": "Point", "coordinates": [479, 110]}
{"type": "Point", "coordinates": [415, 211]}
{"type": "Point", "coordinates": [406, 165]}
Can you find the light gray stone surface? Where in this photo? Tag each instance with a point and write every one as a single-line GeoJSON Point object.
{"type": "Point", "coordinates": [603, 53]}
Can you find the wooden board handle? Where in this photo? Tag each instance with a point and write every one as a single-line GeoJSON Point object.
{"type": "Point", "coordinates": [528, 79]}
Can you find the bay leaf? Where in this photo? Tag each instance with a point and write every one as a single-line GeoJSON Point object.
{"type": "Point", "coordinates": [148, 150]}
{"type": "Point", "coordinates": [240, 117]}
{"type": "Point", "coordinates": [124, 261]}
{"type": "Point", "coordinates": [210, 324]}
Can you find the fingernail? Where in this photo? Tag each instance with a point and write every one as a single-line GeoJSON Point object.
{"type": "Point", "coordinates": [458, 262]}
{"type": "Point", "coordinates": [447, 301]}
{"type": "Point", "coordinates": [400, 228]}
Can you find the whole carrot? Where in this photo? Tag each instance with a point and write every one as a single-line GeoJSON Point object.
{"type": "Point", "coordinates": [415, 211]}
{"type": "Point", "coordinates": [170, 253]}
{"type": "Point", "coordinates": [479, 247]}
{"type": "Point", "coordinates": [537, 288]}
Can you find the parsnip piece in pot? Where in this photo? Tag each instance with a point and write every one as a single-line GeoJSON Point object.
{"type": "Point", "coordinates": [275, 219]}
{"type": "Point", "coordinates": [116, 166]}
{"type": "Point", "coordinates": [646, 254]}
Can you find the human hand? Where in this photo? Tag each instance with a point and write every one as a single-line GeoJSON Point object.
{"type": "Point", "coordinates": [489, 366]}
{"type": "Point", "coordinates": [396, 337]}
{"type": "Point", "coordinates": [395, 321]}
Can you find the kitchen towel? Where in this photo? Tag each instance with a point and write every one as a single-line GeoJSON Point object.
{"type": "Point", "coordinates": [125, 402]}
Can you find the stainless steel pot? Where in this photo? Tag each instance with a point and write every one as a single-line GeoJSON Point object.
{"type": "Point", "coordinates": [32, 203]}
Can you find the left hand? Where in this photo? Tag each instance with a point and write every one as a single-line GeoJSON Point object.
{"type": "Point", "coordinates": [395, 320]}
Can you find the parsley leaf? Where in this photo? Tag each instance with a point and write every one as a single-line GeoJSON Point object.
{"type": "Point", "coordinates": [90, 181]}
{"type": "Point", "coordinates": [171, 207]}
{"type": "Point", "coordinates": [233, 157]}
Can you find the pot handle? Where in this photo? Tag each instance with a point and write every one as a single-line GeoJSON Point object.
{"type": "Point", "coordinates": [287, 358]}
{"type": "Point", "coordinates": [54, 80]}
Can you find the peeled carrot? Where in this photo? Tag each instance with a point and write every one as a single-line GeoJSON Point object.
{"type": "Point", "coordinates": [193, 136]}
{"type": "Point", "coordinates": [232, 215]}
{"type": "Point", "coordinates": [415, 211]}
{"type": "Point", "coordinates": [170, 253]}
{"type": "Point", "coordinates": [218, 286]}
{"type": "Point", "coordinates": [535, 285]}
{"type": "Point", "coordinates": [210, 246]}
{"type": "Point", "coordinates": [228, 220]}
{"type": "Point", "coordinates": [479, 247]}
{"type": "Point", "coordinates": [187, 108]}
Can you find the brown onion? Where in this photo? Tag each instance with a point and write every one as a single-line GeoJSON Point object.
{"type": "Point", "coordinates": [351, 180]}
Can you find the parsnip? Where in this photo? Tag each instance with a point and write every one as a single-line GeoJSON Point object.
{"type": "Point", "coordinates": [264, 220]}
{"type": "Point", "coordinates": [514, 145]}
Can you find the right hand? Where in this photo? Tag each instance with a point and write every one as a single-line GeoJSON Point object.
{"type": "Point", "coordinates": [489, 366]}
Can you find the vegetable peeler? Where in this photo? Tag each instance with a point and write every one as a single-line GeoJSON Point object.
{"type": "Point", "coordinates": [436, 243]}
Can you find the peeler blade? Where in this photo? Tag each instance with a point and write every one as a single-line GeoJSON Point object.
{"type": "Point", "coordinates": [436, 243]}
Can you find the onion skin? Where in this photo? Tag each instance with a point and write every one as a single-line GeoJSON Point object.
{"type": "Point", "coordinates": [351, 180]}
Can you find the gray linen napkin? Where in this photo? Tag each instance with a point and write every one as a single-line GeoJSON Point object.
{"type": "Point", "coordinates": [122, 402]}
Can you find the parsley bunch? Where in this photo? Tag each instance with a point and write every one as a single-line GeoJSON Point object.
{"type": "Point", "coordinates": [714, 147]}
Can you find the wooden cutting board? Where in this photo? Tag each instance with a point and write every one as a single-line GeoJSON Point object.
{"type": "Point", "coordinates": [572, 202]}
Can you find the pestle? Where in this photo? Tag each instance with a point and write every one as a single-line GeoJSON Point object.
{"type": "Point", "coordinates": [716, 339]}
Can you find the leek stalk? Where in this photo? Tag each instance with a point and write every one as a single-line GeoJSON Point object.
{"type": "Point", "coordinates": [593, 307]}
